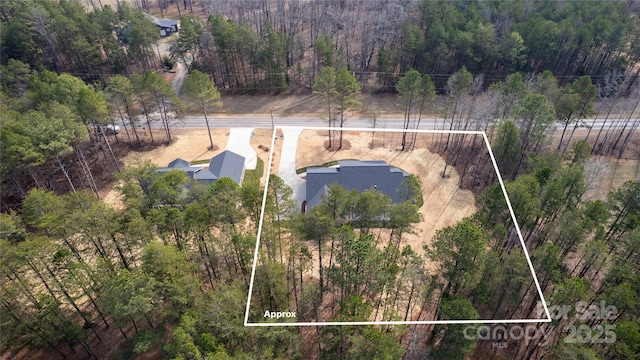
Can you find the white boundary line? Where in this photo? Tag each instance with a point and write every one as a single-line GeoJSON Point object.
{"type": "Point", "coordinates": [443, 322]}
{"type": "Point", "coordinates": [515, 222]}
{"type": "Point", "coordinates": [255, 253]}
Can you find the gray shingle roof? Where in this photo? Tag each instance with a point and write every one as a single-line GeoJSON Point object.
{"type": "Point", "coordinates": [354, 175]}
{"type": "Point", "coordinates": [164, 23]}
{"type": "Point", "coordinates": [227, 164]}
{"type": "Point", "coordinates": [205, 176]}
{"type": "Point", "coordinates": [179, 163]}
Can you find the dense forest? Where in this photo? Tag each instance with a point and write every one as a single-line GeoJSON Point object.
{"type": "Point", "coordinates": [166, 275]}
{"type": "Point", "coordinates": [366, 273]}
{"type": "Point", "coordinates": [275, 45]}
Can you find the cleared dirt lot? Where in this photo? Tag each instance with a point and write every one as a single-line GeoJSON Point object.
{"type": "Point", "coordinates": [188, 144]}
{"type": "Point", "coordinates": [608, 174]}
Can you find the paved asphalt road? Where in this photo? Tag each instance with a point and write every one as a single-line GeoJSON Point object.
{"type": "Point", "coordinates": [197, 122]}
{"type": "Point", "coordinates": [265, 122]}
{"type": "Point", "coordinates": [192, 122]}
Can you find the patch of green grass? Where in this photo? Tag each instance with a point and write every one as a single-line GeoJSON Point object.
{"type": "Point", "coordinates": [327, 164]}
{"type": "Point", "coordinates": [255, 175]}
{"type": "Point", "coordinates": [200, 162]}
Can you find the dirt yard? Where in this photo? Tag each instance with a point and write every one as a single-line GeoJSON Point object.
{"type": "Point", "coordinates": [261, 143]}
{"type": "Point", "coordinates": [188, 144]}
{"type": "Point", "coordinates": [305, 105]}
{"type": "Point", "coordinates": [444, 202]}
{"type": "Point", "coordinates": [607, 174]}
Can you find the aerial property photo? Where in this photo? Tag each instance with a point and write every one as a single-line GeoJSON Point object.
{"type": "Point", "coordinates": [373, 234]}
{"type": "Point", "coordinates": [320, 179]}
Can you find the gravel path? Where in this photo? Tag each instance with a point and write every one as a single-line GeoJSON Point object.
{"type": "Point", "coordinates": [287, 168]}
{"type": "Point", "coordinates": [181, 73]}
{"type": "Point", "coordinates": [239, 143]}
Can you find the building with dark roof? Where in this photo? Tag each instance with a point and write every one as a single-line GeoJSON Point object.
{"type": "Point", "coordinates": [190, 170]}
{"type": "Point", "coordinates": [226, 164]}
{"type": "Point", "coordinates": [167, 26]}
{"type": "Point", "coordinates": [179, 163]}
{"type": "Point", "coordinates": [354, 175]}
{"type": "Point", "coordinates": [205, 177]}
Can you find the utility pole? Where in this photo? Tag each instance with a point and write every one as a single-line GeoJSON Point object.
{"type": "Point", "coordinates": [272, 124]}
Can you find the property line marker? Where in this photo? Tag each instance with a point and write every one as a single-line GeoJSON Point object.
{"type": "Point", "coordinates": [255, 253]}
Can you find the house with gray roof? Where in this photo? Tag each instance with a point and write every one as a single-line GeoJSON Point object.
{"type": "Point", "coordinates": [226, 164]}
{"type": "Point", "coordinates": [354, 175]}
{"type": "Point", "coordinates": [179, 163]}
{"type": "Point", "coordinates": [166, 26]}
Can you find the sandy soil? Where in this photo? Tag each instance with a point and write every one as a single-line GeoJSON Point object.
{"type": "Point", "coordinates": [305, 105]}
{"type": "Point", "coordinates": [188, 144]}
{"type": "Point", "coordinates": [277, 152]}
{"type": "Point", "coordinates": [263, 138]}
{"type": "Point", "coordinates": [608, 174]}
{"type": "Point", "coordinates": [444, 202]}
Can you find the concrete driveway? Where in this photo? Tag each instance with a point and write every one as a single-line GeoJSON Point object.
{"type": "Point", "coordinates": [287, 169]}
{"type": "Point", "coordinates": [239, 143]}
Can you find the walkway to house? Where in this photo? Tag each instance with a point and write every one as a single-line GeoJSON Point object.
{"type": "Point", "coordinates": [287, 169]}
{"type": "Point", "coordinates": [239, 143]}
